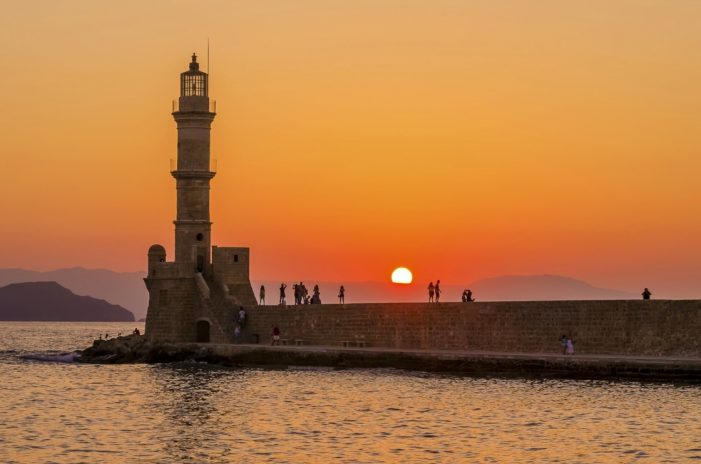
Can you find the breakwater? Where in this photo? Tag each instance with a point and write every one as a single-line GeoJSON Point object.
{"type": "Point", "coordinates": [137, 349]}
{"type": "Point", "coordinates": [633, 328]}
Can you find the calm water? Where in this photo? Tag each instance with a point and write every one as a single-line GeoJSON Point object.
{"type": "Point", "coordinates": [65, 412]}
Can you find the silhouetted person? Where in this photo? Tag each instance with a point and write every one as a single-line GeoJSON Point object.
{"type": "Point", "coordinates": [136, 331]}
{"type": "Point", "coordinates": [563, 342]}
{"type": "Point", "coordinates": [242, 316]}
{"type": "Point", "coordinates": [303, 289]}
{"type": "Point", "coordinates": [282, 294]}
{"type": "Point", "coordinates": [341, 295]}
{"type": "Point", "coordinates": [275, 335]}
{"type": "Point", "coordinates": [438, 290]}
{"type": "Point", "coordinates": [431, 292]}
{"type": "Point", "coordinates": [646, 294]}
{"type": "Point", "coordinates": [316, 297]}
{"type": "Point", "coordinates": [569, 346]}
{"type": "Point", "coordinates": [467, 296]}
{"type": "Point", "coordinates": [262, 294]}
{"type": "Point", "coordinates": [297, 291]}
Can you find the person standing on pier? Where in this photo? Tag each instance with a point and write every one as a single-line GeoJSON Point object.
{"type": "Point", "coordinates": [431, 292]}
{"type": "Point", "coordinates": [262, 295]}
{"type": "Point", "coordinates": [438, 290]}
{"type": "Point", "coordinates": [341, 295]}
{"type": "Point", "coordinates": [282, 294]}
{"type": "Point", "coordinates": [275, 335]}
{"type": "Point", "coordinates": [646, 294]}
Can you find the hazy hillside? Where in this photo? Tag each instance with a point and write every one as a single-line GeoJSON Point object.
{"type": "Point", "coordinates": [48, 301]}
{"type": "Point", "coordinates": [125, 289]}
{"type": "Point", "coordinates": [542, 287]}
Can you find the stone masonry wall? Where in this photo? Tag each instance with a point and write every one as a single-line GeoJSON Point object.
{"type": "Point", "coordinates": [645, 328]}
{"type": "Point", "coordinates": [175, 318]}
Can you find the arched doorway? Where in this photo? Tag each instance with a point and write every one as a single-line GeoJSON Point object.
{"type": "Point", "coordinates": [202, 332]}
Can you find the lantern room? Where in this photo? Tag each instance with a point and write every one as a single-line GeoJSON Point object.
{"type": "Point", "coordinates": [193, 82]}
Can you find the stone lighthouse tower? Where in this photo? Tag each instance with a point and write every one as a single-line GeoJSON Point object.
{"type": "Point", "coordinates": [195, 297]}
{"type": "Point", "coordinates": [193, 115]}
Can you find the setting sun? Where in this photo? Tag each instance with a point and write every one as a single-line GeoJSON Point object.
{"type": "Point", "coordinates": [402, 275]}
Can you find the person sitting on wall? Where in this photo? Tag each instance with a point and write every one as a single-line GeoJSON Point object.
{"type": "Point", "coordinates": [467, 296]}
{"type": "Point", "coordinates": [646, 294]}
{"type": "Point", "coordinates": [136, 331]}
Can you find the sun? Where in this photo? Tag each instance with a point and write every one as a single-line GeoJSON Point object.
{"type": "Point", "coordinates": [402, 275]}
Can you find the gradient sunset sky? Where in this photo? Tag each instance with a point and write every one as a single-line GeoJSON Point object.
{"type": "Point", "coordinates": [462, 139]}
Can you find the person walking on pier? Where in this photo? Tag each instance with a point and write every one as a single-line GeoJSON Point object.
{"type": "Point", "coordinates": [646, 294]}
{"type": "Point", "coordinates": [242, 317]}
{"type": "Point", "coordinates": [262, 295]}
{"type": "Point", "coordinates": [569, 347]}
{"type": "Point", "coordinates": [341, 295]}
{"type": "Point", "coordinates": [431, 292]}
{"type": "Point", "coordinates": [282, 294]}
{"type": "Point", "coordinates": [438, 290]}
{"type": "Point", "coordinates": [275, 335]}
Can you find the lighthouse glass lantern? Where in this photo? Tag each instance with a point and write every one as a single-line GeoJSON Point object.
{"type": "Point", "coordinates": [193, 82]}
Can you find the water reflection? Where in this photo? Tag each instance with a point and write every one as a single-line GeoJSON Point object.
{"type": "Point", "coordinates": [187, 396]}
{"type": "Point", "coordinates": [67, 413]}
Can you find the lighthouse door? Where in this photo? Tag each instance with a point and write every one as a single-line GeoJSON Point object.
{"type": "Point", "coordinates": [202, 332]}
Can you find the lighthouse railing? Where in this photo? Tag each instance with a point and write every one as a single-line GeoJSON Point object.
{"type": "Point", "coordinates": [212, 108]}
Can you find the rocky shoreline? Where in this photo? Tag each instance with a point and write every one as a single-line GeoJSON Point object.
{"type": "Point", "coordinates": [137, 349]}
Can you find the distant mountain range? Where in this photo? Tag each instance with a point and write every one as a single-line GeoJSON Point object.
{"type": "Point", "coordinates": [128, 290]}
{"type": "Point", "coordinates": [48, 301]}
{"type": "Point", "coordinates": [123, 288]}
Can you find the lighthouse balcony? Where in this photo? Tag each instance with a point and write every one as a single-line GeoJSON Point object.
{"type": "Point", "coordinates": [194, 104]}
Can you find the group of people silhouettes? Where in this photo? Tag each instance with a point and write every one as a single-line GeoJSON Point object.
{"type": "Point", "coordinates": [467, 296]}
{"type": "Point", "coordinates": [434, 292]}
{"type": "Point", "coordinates": [301, 294]}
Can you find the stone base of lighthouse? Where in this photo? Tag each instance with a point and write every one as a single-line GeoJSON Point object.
{"type": "Point", "coordinates": [190, 306]}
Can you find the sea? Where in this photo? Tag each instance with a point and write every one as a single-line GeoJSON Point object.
{"type": "Point", "coordinates": [54, 410]}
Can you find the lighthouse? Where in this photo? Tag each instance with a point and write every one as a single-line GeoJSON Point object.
{"type": "Point", "coordinates": [192, 298]}
{"type": "Point", "coordinates": [193, 115]}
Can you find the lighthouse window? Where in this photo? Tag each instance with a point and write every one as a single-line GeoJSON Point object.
{"type": "Point", "coordinates": [199, 237]}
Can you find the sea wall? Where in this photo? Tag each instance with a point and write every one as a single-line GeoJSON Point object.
{"type": "Point", "coordinates": [639, 328]}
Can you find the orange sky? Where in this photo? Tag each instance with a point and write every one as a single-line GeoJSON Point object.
{"type": "Point", "coordinates": [462, 139]}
